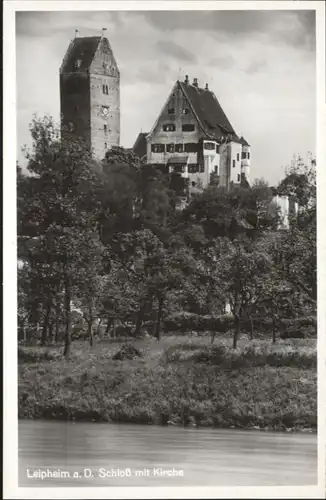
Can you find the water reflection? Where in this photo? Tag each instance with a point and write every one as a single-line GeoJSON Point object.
{"type": "Point", "coordinates": [108, 452]}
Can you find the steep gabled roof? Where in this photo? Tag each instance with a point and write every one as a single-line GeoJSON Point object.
{"type": "Point", "coordinates": [243, 141]}
{"type": "Point", "coordinates": [82, 49]}
{"type": "Point", "coordinates": [208, 111]}
{"type": "Point", "coordinates": [140, 146]}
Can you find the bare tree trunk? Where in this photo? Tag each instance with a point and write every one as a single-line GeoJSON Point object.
{"type": "Point", "coordinates": [51, 331]}
{"type": "Point", "coordinates": [251, 328]}
{"type": "Point", "coordinates": [108, 325]}
{"type": "Point", "coordinates": [57, 315]}
{"type": "Point", "coordinates": [67, 299]}
{"type": "Point", "coordinates": [46, 320]}
{"type": "Point", "coordinates": [237, 326]}
{"type": "Point", "coordinates": [98, 327]}
{"type": "Point", "coordinates": [90, 325]}
{"type": "Point", "coordinates": [274, 330]}
{"type": "Point", "coordinates": [159, 318]}
{"type": "Point", "coordinates": [139, 322]}
{"type": "Point", "coordinates": [90, 332]}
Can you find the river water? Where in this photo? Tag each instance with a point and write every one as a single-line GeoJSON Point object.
{"type": "Point", "coordinates": [104, 454]}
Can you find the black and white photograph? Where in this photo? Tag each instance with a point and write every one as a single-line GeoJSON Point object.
{"type": "Point", "coordinates": [165, 249]}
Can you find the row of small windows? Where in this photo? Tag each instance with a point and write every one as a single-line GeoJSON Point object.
{"type": "Point", "coordinates": [186, 127]}
{"type": "Point", "coordinates": [193, 168]}
{"type": "Point", "coordinates": [243, 156]}
{"type": "Point", "coordinates": [185, 111]}
{"type": "Point", "coordinates": [175, 148]}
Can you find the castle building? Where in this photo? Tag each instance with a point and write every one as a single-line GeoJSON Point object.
{"type": "Point", "coordinates": [193, 137]}
{"type": "Point", "coordinates": [90, 94]}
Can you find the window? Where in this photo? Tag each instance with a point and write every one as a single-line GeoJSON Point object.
{"type": "Point", "coordinates": [169, 127]}
{"type": "Point", "coordinates": [170, 148]}
{"type": "Point", "coordinates": [179, 169]}
{"type": "Point", "coordinates": [191, 147]}
{"type": "Point", "coordinates": [105, 89]}
{"type": "Point", "coordinates": [179, 148]}
{"type": "Point", "coordinates": [78, 63]}
{"type": "Point", "coordinates": [238, 158]}
{"type": "Point", "coordinates": [216, 169]}
{"type": "Point", "coordinates": [233, 163]}
{"type": "Point", "coordinates": [171, 111]}
{"type": "Point", "coordinates": [193, 184]}
{"type": "Point", "coordinates": [209, 145]}
{"type": "Point", "coordinates": [105, 128]}
{"type": "Point", "coordinates": [188, 127]}
{"type": "Point", "coordinates": [239, 177]}
{"type": "Point", "coordinates": [158, 148]}
{"type": "Point", "coordinates": [243, 155]}
{"type": "Point", "coordinates": [217, 149]}
{"type": "Point", "coordinates": [248, 156]}
{"type": "Point", "coordinates": [105, 145]}
{"type": "Point", "coordinates": [193, 168]}
{"type": "Point", "coordinates": [185, 111]}
{"type": "Point", "coordinates": [202, 168]}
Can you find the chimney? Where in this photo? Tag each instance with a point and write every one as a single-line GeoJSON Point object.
{"type": "Point", "coordinates": [186, 79]}
{"type": "Point", "coordinates": [195, 83]}
{"type": "Point", "coordinates": [206, 86]}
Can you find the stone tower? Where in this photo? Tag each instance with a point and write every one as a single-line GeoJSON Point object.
{"type": "Point", "coordinates": [90, 94]}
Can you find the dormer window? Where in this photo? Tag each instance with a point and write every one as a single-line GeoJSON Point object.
{"type": "Point", "coordinates": [188, 127]}
{"type": "Point", "coordinates": [78, 63]}
{"type": "Point", "coordinates": [185, 111]}
{"type": "Point", "coordinates": [209, 145]}
{"type": "Point", "coordinates": [169, 127]}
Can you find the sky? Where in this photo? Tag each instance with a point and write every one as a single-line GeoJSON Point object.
{"type": "Point", "coordinates": [261, 65]}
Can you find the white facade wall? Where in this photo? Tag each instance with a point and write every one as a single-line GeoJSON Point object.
{"type": "Point", "coordinates": [246, 161]}
{"type": "Point", "coordinates": [235, 165]}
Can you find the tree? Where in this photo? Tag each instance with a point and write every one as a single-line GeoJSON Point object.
{"type": "Point", "coordinates": [241, 270]}
{"type": "Point", "coordinates": [58, 204]}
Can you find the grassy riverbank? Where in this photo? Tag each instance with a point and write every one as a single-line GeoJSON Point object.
{"type": "Point", "coordinates": [177, 381]}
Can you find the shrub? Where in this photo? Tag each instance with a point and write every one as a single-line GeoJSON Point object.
{"type": "Point", "coordinates": [31, 355]}
{"type": "Point", "coordinates": [185, 321]}
{"type": "Point", "coordinates": [127, 351]}
{"type": "Point", "coordinates": [250, 356]}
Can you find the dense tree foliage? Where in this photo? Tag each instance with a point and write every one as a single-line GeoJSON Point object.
{"type": "Point", "coordinates": [110, 241]}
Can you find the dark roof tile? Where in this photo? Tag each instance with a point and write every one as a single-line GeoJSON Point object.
{"type": "Point", "coordinates": [140, 146]}
{"type": "Point", "coordinates": [208, 110]}
{"type": "Point", "coordinates": [82, 49]}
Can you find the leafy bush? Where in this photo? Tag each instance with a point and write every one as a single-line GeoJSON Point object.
{"type": "Point", "coordinates": [127, 351]}
{"type": "Point", "coordinates": [185, 321]}
{"type": "Point", "coordinates": [30, 355]}
{"type": "Point", "coordinates": [252, 355]}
